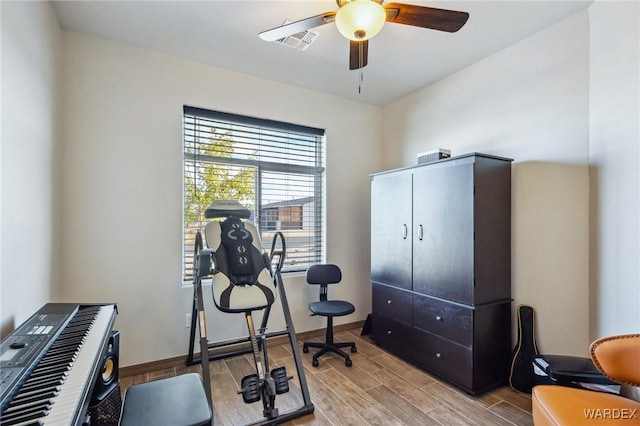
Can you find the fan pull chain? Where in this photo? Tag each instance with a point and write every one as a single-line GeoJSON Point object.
{"type": "Point", "coordinates": [360, 65]}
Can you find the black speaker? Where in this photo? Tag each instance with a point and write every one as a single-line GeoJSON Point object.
{"type": "Point", "coordinates": [106, 402]}
{"type": "Point", "coordinates": [107, 411]}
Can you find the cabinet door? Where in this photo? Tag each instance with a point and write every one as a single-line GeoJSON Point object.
{"type": "Point", "coordinates": [391, 230]}
{"type": "Point", "coordinates": [443, 232]}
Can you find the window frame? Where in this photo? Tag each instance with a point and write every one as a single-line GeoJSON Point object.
{"type": "Point", "coordinates": [316, 174]}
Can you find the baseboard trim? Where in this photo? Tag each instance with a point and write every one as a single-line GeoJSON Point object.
{"type": "Point", "coordinates": [180, 361]}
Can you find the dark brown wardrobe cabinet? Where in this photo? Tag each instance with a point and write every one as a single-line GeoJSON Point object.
{"type": "Point", "coordinates": [441, 269]}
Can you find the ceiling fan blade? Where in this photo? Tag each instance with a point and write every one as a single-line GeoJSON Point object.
{"type": "Point", "coordinates": [298, 26]}
{"type": "Point", "coordinates": [426, 17]}
{"type": "Point", "coordinates": [354, 54]}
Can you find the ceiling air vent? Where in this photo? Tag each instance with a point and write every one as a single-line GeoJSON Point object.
{"type": "Point", "coordinates": [299, 41]}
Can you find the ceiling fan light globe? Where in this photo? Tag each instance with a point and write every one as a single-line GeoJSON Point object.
{"type": "Point", "coordinates": [360, 20]}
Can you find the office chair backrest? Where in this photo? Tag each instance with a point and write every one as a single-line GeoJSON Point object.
{"type": "Point", "coordinates": [324, 274]}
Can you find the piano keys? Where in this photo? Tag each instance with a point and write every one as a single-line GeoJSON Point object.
{"type": "Point", "coordinates": [49, 365]}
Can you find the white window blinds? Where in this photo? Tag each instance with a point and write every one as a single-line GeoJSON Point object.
{"type": "Point", "coordinates": [275, 169]}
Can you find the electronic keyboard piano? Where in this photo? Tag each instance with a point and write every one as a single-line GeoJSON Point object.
{"type": "Point", "coordinates": [50, 364]}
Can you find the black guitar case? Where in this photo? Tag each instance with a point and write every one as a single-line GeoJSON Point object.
{"type": "Point", "coordinates": [521, 376]}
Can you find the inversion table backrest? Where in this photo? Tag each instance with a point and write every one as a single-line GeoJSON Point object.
{"type": "Point", "coordinates": [242, 280]}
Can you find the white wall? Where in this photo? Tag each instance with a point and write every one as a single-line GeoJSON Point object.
{"type": "Point", "coordinates": [615, 157]}
{"type": "Point", "coordinates": [122, 193]}
{"type": "Point", "coordinates": [529, 102]}
{"type": "Point", "coordinates": [31, 48]}
{"type": "Point", "coordinates": [554, 102]}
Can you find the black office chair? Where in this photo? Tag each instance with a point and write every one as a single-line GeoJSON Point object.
{"type": "Point", "coordinates": [324, 275]}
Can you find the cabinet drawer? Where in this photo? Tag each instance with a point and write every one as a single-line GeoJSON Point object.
{"type": "Point", "coordinates": [392, 335]}
{"type": "Point", "coordinates": [391, 302]}
{"type": "Point", "coordinates": [445, 358]}
{"type": "Point", "coordinates": [451, 321]}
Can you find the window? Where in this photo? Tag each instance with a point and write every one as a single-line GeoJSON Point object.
{"type": "Point", "coordinates": [275, 169]}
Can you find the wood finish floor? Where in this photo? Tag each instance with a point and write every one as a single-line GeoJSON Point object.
{"type": "Point", "coordinates": [379, 389]}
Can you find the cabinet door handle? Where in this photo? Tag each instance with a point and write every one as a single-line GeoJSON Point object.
{"type": "Point", "coordinates": [405, 232]}
{"type": "Point", "coordinates": [420, 232]}
{"type": "Point", "coordinates": [389, 302]}
{"type": "Point", "coordinates": [438, 318]}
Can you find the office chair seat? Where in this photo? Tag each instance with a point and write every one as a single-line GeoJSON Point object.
{"type": "Point", "coordinates": [333, 308]}
{"type": "Point", "coordinates": [323, 275]}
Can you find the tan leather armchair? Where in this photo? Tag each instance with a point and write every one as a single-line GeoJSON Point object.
{"type": "Point", "coordinates": [618, 358]}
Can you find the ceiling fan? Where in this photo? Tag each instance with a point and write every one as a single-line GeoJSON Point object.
{"type": "Point", "coordinates": [359, 20]}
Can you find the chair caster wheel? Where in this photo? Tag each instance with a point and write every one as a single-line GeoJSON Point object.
{"type": "Point", "coordinates": [354, 349]}
{"type": "Point", "coordinates": [348, 362]}
{"type": "Point", "coordinates": [315, 363]}
{"type": "Point", "coordinates": [305, 349]}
